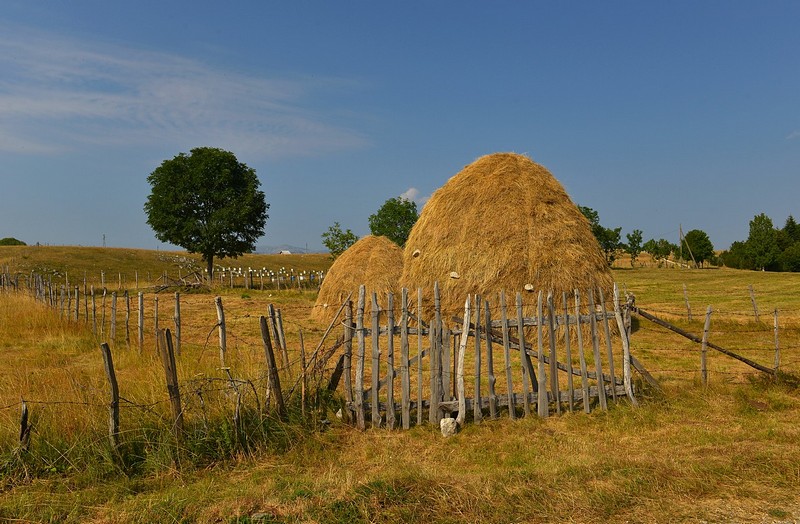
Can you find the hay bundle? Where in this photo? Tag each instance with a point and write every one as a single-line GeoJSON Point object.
{"type": "Point", "coordinates": [374, 261]}
{"type": "Point", "coordinates": [503, 223]}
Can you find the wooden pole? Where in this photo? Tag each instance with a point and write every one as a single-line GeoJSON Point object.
{"type": "Point", "coordinates": [626, 350]}
{"type": "Point", "coordinates": [349, 329]}
{"type": "Point", "coordinates": [419, 356]}
{"type": "Point", "coordinates": [155, 324]}
{"type": "Point", "coordinates": [405, 379]}
{"type": "Point", "coordinates": [127, 319]}
{"type": "Point", "coordinates": [113, 317]}
{"type": "Point", "coordinates": [551, 332]}
{"type": "Point", "coordinates": [688, 307]}
{"type": "Point", "coordinates": [568, 350]}
{"type": "Point", "coordinates": [527, 367]}
{"type": "Point", "coordinates": [141, 321]}
{"type": "Point", "coordinates": [303, 376]}
{"type": "Point", "coordinates": [542, 402]}
{"type": "Point", "coordinates": [223, 344]}
{"type": "Point", "coordinates": [704, 349]}
{"type": "Point", "coordinates": [490, 362]}
{"type": "Point", "coordinates": [462, 349]}
{"type": "Point", "coordinates": [177, 320]}
{"type": "Point", "coordinates": [601, 386]}
{"type": "Point", "coordinates": [360, 416]}
{"type": "Point", "coordinates": [753, 300]}
{"type": "Point", "coordinates": [272, 366]}
{"type": "Point", "coordinates": [390, 373]}
{"type": "Point", "coordinates": [777, 346]}
{"type": "Point", "coordinates": [113, 406]}
{"type": "Point", "coordinates": [512, 403]}
{"type": "Point", "coordinates": [477, 401]}
{"type": "Point", "coordinates": [171, 373]}
{"type": "Point", "coordinates": [609, 347]}
{"type": "Point", "coordinates": [375, 370]}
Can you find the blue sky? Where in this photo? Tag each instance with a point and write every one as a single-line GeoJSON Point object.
{"type": "Point", "coordinates": [655, 114]}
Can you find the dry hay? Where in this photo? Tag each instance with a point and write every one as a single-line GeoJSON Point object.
{"type": "Point", "coordinates": [374, 261]}
{"type": "Point", "coordinates": [502, 223]}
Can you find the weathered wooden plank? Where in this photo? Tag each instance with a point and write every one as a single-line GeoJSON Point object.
{"type": "Point", "coordinates": [349, 329]}
{"type": "Point", "coordinates": [170, 371]}
{"type": "Point", "coordinates": [390, 374]}
{"type": "Point", "coordinates": [704, 348]}
{"type": "Point", "coordinates": [626, 349]}
{"type": "Point", "coordinates": [223, 337]}
{"type": "Point", "coordinates": [492, 379]}
{"type": "Point", "coordinates": [272, 368]}
{"type": "Point", "coordinates": [113, 406]}
{"type": "Point", "coordinates": [462, 349]}
{"type": "Point", "coordinates": [528, 376]}
{"type": "Point", "coordinates": [419, 356]}
{"type": "Point", "coordinates": [375, 370]}
{"type": "Point", "coordinates": [568, 350]}
{"type": "Point", "coordinates": [609, 348]}
{"type": "Point", "coordinates": [434, 416]}
{"type": "Point", "coordinates": [477, 415]}
{"type": "Point", "coordinates": [177, 320]}
{"type": "Point", "coordinates": [405, 381]}
{"type": "Point", "coordinates": [512, 405]}
{"type": "Point", "coordinates": [360, 356]}
{"type": "Point", "coordinates": [596, 353]}
{"type": "Point", "coordinates": [551, 331]}
{"type": "Point", "coordinates": [541, 401]}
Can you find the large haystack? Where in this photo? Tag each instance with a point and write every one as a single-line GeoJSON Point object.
{"type": "Point", "coordinates": [374, 261]}
{"type": "Point", "coordinates": [501, 223]}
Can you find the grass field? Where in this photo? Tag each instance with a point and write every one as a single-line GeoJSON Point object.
{"type": "Point", "coordinates": [728, 452]}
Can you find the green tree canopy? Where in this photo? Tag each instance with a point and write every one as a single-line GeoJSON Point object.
{"type": "Point", "coordinates": [609, 239]}
{"type": "Point", "coordinates": [394, 220]}
{"type": "Point", "coordinates": [699, 245]}
{"type": "Point", "coordinates": [207, 202]}
{"type": "Point", "coordinates": [11, 241]}
{"type": "Point", "coordinates": [762, 243]}
{"type": "Point", "coordinates": [337, 241]}
{"type": "Point", "coordinates": [634, 245]}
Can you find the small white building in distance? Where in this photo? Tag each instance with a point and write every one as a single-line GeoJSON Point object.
{"type": "Point", "coordinates": [285, 252]}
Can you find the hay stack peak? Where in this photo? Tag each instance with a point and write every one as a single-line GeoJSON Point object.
{"type": "Point", "coordinates": [502, 223]}
{"type": "Point", "coordinates": [374, 261]}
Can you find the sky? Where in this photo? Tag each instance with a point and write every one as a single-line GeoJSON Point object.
{"type": "Point", "coordinates": [660, 116]}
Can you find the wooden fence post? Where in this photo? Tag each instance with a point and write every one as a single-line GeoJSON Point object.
{"type": "Point", "coordinates": [405, 379]}
{"type": "Point", "coordinates": [753, 300]}
{"type": "Point", "coordinates": [272, 365]}
{"type": "Point", "coordinates": [568, 350]}
{"type": "Point", "coordinates": [155, 324]}
{"type": "Point", "coordinates": [141, 321]}
{"type": "Point", "coordinates": [171, 374]}
{"type": "Point", "coordinates": [477, 402]}
{"type": "Point", "coordinates": [462, 349]}
{"type": "Point", "coordinates": [528, 376]}
{"type": "Point", "coordinates": [113, 406]}
{"type": "Point", "coordinates": [348, 358]}
{"type": "Point", "coordinates": [512, 403]}
{"type": "Point", "coordinates": [777, 347]}
{"type": "Point", "coordinates": [609, 347]}
{"type": "Point", "coordinates": [24, 429]}
{"type": "Point", "coordinates": [419, 356]}
{"type": "Point", "coordinates": [94, 314]}
{"type": "Point", "coordinates": [360, 355]}
{"type": "Point", "coordinates": [178, 323]}
{"type": "Point", "coordinates": [551, 332]}
{"type": "Point", "coordinates": [598, 364]}
{"type": "Point", "coordinates": [542, 403]}
{"type": "Point", "coordinates": [391, 417]}
{"type": "Point", "coordinates": [704, 349]}
{"type": "Point", "coordinates": [127, 319]}
{"type": "Point", "coordinates": [626, 349]}
{"type": "Point", "coordinates": [222, 335]}
{"type": "Point", "coordinates": [688, 307]}
{"type": "Point", "coordinates": [114, 318]}
{"type": "Point", "coordinates": [375, 370]}
{"type": "Point", "coordinates": [493, 408]}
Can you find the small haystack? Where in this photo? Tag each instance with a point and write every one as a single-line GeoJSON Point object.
{"type": "Point", "coordinates": [503, 223]}
{"type": "Point", "coordinates": [374, 261]}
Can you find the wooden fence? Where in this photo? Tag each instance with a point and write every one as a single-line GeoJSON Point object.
{"type": "Point", "coordinates": [577, 359]}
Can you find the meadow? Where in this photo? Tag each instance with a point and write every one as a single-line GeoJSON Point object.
{"type": "Point", "coordinates": [725, 452]}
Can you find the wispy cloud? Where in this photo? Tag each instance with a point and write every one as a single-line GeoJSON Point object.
{"type": "Point", "coordinates": [58, 94]}
{"type": "Point", "coordinates": [793, 135]}
{"type": "Point", "coordinates": [413, 194]}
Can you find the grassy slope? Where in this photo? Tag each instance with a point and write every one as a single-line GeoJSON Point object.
{"type": "Point", "coordinates": [728, 453]}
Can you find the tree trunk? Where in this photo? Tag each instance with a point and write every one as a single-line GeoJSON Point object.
{"type": "Point", "coordinates": [210, 268]}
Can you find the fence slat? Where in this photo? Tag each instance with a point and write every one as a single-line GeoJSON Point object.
{"type": "Point", "coordinates": [512, 402]}
{"type": "Point", "coordinates": [490, 362]}
{"type": "Point", "coordinates": [542, 403]}
{"type": "Point", "coordinates": [419, 356]}
{"type": "Point", "coordinates": [601, 387]}
{"type": "Point", "coordinates": [568, 350]}
{"type": "Point", "coordinates": [609, 348]}
{"type": "Point", "coordinates": [582, 354]}
{"type": "Point", "coordinates": [551, 331]}
{"type": "Point", "coordinates": [360, 355]}
{"type": "Point", "coordinates": [390, 412]}
{"type": "Point", "coordinates": [527, 367]}
{"type": "Point", "coordinates": [462, 349]}
{"type": "Point", "coordinates": [477, 416]}
{"type": "Point", "coordinates": [405, 382]}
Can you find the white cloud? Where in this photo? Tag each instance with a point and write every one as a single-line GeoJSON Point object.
{"type": "Point", "coordinates": [412, 193]}
{"type": "Point", "coordinates": [58, 94]}
{"type": "Point", "coordinates": [793, 135]}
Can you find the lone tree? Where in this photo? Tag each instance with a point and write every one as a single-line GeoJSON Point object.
{"type": "Point", "coordinates": [207, 202]}
{"type": "Point", "coordinates": [337, 241]}
{"type": "Point", "coordinates": [699, 245]}
{"type": "Point", "coordinates": [394, 220]}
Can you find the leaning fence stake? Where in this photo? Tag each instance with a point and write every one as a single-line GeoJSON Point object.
{"type": "Point", "coordinates": [113, 406]}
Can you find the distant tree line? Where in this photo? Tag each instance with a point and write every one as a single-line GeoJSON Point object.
{"type": "Point", "coordinates": [11, 241]}
{"type": "Point", "coordinates": [767, 248]}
